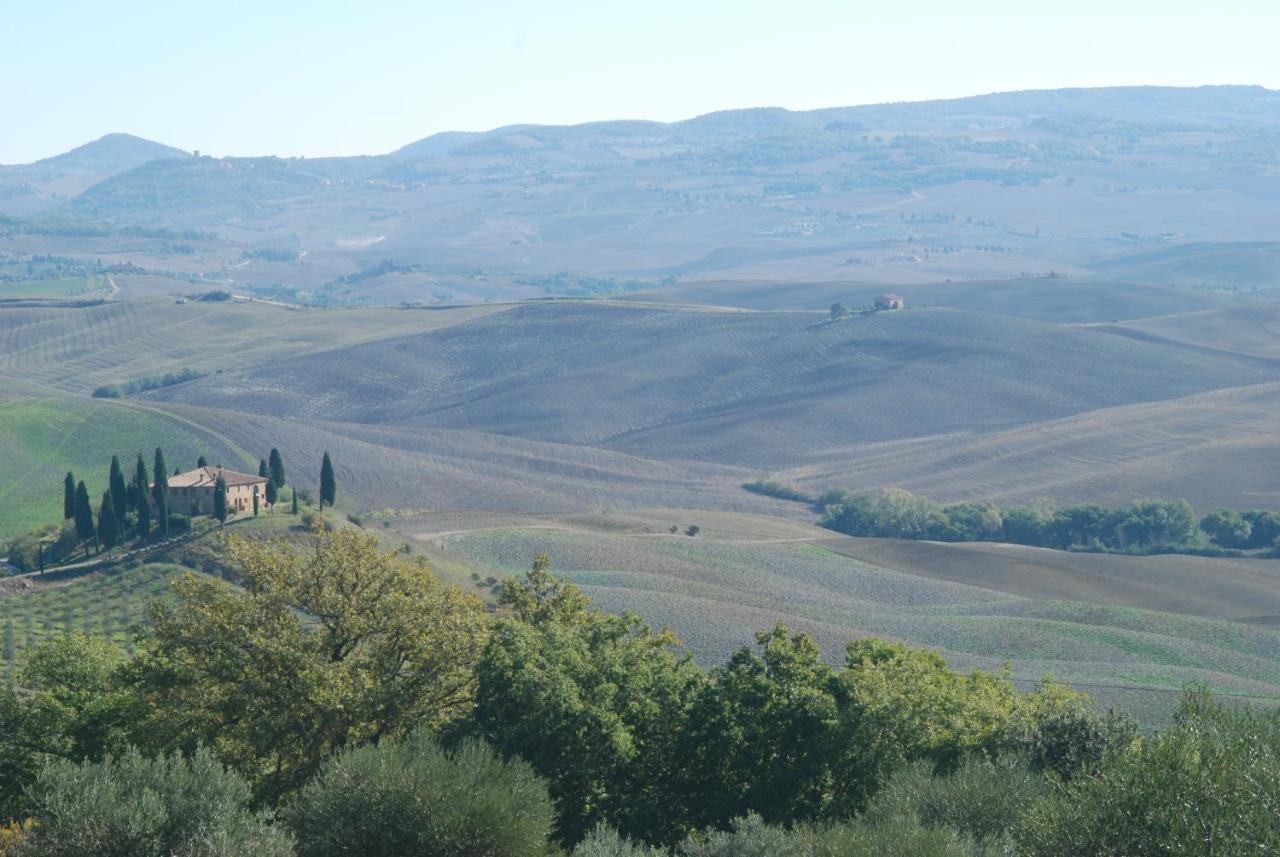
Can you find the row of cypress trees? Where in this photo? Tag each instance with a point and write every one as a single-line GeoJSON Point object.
{"type": "Point", "coordinates": [137, 495]}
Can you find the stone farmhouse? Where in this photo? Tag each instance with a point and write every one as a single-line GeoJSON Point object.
{"type": "Point", "coordinates": [191, 493]}
{"type": "Point", "coordinates": [890, 302]}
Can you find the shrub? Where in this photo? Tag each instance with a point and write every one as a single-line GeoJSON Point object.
{"type": "Point", "coordinates": [982, 799]}
{"type": "Point", "coordinates": [898, 838]}
{"type": "Point", "coordinates": [770, 488]}
{"type": "Point", "coordinates": [315, 520]}
{"type": "Point", "coordinates": [1207, 785]}
{"type": "Point", "coordinates": [604, 841]}
{"type": "Point", "coordinates": [750, 837]}
{"type": "Point", "coordinates": [414, 799]}
{"type": "Point", "coordinates": [132, 806]}
{"type": "Point", "coordinates": [179, 524]}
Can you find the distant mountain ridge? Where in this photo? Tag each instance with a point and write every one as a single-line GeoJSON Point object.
{"type": "Point", "coordinates": [113, 153]}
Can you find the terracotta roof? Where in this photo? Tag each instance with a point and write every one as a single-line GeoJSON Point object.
{"type": "Point", "coordinates": [206, 477]}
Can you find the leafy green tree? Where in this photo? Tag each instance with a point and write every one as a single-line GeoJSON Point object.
{"type": "Point", "coordinates": [411, 797]}
{"type": "Point", "coordinates": [108, 523]}
{"type": "Point", "coordinates": [1227, 528]}
{"type": "Point", "coordinates": [328, 644]}
{"type": "Point", "coordinates": [328, 484]}
{"type": "Point", "coordinates": [119, 493]}
{"type": "Point", "coordinates": [762, 736]}
{"type": "Point", "coordinates": [594, 701]}
{"type": "Point", "coordinates": [220, 500]}
{"type": "Point", "coordinates": [976, 521]}
{"type": "Point", "coordinates": [85, 528]}
{"type": "Point", "coordinates": [1153, 523]}
{"type": "Point", "coordinates": [69, 497]}
{"type": "Point", "coordinates": [134, 806]}
{"type": "Point", "coordinates": [275, 464]}
{"type": "Point", "coordinates": [1207, 785]}
{"type": "Point", "coordinates": [73, 705]}
{"type": "Point", "coordinates": [1264, 529]}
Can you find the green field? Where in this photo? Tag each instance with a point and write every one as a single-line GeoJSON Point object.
{"type": "Point", "coordinates": [61, 287]}
{"type": "Point", "coordinates": [42, 438]}
{"type": "Point", "coordinates": [101, 605]}
{"type": "Point", "coordinates": [716, 595]}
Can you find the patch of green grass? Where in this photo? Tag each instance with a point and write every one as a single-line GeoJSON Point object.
{"type": "Point", "coordinates": [41, 439]}
{"type": "Point", "coordinates": [62, 287]}
{"type": "Point", "coordinates": [104, 605]}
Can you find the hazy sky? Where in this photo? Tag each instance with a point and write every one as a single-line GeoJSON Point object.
{"type": "Point", "coordinates": [323, 77]}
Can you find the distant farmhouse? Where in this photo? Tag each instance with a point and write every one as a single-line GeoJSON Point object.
{"type": "Point", "coordinates": [192, 492]}
{"type": "Point", "coordinates": [890, 302]}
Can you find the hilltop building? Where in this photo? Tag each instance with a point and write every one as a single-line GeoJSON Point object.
{"type": "Point", "coordinates": [192, 492]}
{"type": "Point", "coordinates": [890, 302]}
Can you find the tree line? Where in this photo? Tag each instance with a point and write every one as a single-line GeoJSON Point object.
{"type": "Point", "coordinates": [1147, 526]}
{"type": "Point", "coordinates": [343, 700]}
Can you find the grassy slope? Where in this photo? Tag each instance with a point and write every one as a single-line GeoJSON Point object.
{"type": "Point", "coordinates": [716, 593]}
{"type": "Point", "coordinates": [59, 288]}
{"type": "Point", "coordinates": [78, 349]}
{"type": "Point", "coordinates": [42, 438]}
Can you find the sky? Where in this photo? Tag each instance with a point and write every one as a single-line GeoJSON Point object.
{"type": "Point", "coordinates": [278, 77]}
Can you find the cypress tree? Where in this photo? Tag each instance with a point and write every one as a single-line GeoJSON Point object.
{"type": "Point", "coordinates": [144, 511]}
{"type": "Point", "coordinates": [142, 497]}
{"type": "Point", "coordinates": [220, 500]}
{"type": "Point", "coordinates": [200, 462]}
{"type": "Point", "coordinates": [262, 467]}
{"type": "Point", "coordinates": [255, 504]}
{"type": "Point", "coordinates": [295, 501]}
{"type": "Point", "coordinates": [84, 516]}
{"type": "Point", "coordinates": [160, 493]}
{"type": "Point", "coordinates": [68, 497]}
{"type": "Point", "coordinates": [275, 464]}
{"type": "Point", "coordinates": [140, 476]}
{"type": "Point", "coordinates": [119, 493]}
{"type": "Point", "coordinates": [328, 485]}
{"type": "Point", "coordinates": [162, 515]}
{"type": "Point", "coordinates": [273, 493]}
{"type": "Point", "coordinates": [108, 523]}
{"type": "Point", "coordinates": [162, 476]}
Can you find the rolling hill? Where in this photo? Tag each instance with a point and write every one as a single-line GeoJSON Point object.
{"type": "Point", "coordinates": [1160, 186]}
{"type": "Point", "coordinates": [751, 389]}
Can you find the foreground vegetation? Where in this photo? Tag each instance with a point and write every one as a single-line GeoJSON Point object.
{"type": "Point", "coordinates": [338, 700]}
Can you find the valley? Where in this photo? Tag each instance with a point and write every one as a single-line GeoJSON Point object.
{"type": "Point", "coordinates": [570, 340]}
